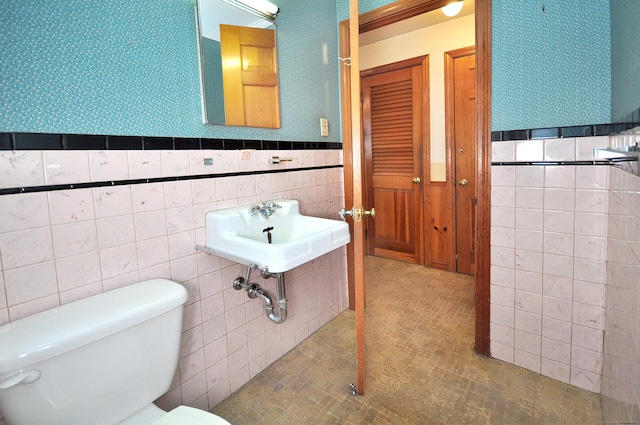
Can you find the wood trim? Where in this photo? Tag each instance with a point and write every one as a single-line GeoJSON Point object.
{"type": "Point", "coordinates": [483, 209]}
{"type": "Point", "coordinates": [403, 10]}
{"type": "Point", "coordinates": [396, 12]}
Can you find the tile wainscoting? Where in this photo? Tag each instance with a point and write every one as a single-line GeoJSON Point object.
{"type": "Point", "coordinates": [564, 275]}
{"type": "Point", "coordinates": [57, 246]}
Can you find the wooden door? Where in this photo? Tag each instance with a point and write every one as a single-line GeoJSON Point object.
{"type": "Point", "coordinates": [465, 154]}
{"type": "Point", "coordinates": [392, 115]}
{"type": "Point", "coordinates": [250, 76]}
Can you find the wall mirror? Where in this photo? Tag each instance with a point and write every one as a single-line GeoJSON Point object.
{"type": "Point", "coordinates": [238, 63]}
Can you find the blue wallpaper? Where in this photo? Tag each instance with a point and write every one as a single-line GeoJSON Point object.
{"type": "Point", "coordinates": [625, 58]}
{"type": "Point", "coordinates": [131, 68]}
{"type": "Point", "coordinates": [551, 67]}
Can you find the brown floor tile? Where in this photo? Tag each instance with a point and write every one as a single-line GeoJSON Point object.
{"type": "Point", "coordinates": [421, 368]}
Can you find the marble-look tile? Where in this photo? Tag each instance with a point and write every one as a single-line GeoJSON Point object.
{"type": "Point", "coordinates": [68, 206]}
{"type": "Point", "coordinates": [529, 240]}
{"type": "Point", "coordinates": [529, 219]}
{"type": "Point", "coordinates": [527, 360]}
{"type": "Point", "coordinates": [26, 247]}
{"type": "Point", "coordinates": [558, 265]}
{"type": "Point", "coordinates": [591, 248]}
{"type": "Point", "coordinates": [558, 287]}
{"type": "Point", "coordinates": [528, 197]}
{"type": "Point", "coordinates": [224, 162]}
{"type": "Point", "coordinates": [503, 151]}
{"type": "Point", "coordinates": [560, 149]}
{"type": "Point", "coordinates": [118, 260]}
{"type": "Point", "coordinates": [503, 176]}
{"type": "Point", "coordinates": [503, 276]}
{"type": "Point", "coordinates": [74, 238]}
{"type": "Point", "coordinates": [585, 380]}
{"type": "Point", "coordinates": [66, 166]}
{"type": "Point", "coordinates": [586, 145]}
{"type": "Point", "coordinates": [589, 270]}
{"type": "Point", "coordinates": [587, 360]}
{"type": "Point", "coordinates": [587, 338]}
{"type": "Point", "coordinates": [559, 330]}
{"type": "Point", "coordinates": [528, 260]}
{"type": "Point", "coordinates": [204, 191]}
{"type": "Point", "coordinates": [147, 197]}
{"type": "Point", "coordinates": [177, 193]}
{"type": "Point", "coordinates": [530, 176]}
{"type": "Point", "coordinates": [501, 216]}
{"type": "Point", "coordinates": [558, 309]}
{"type": "Point", "coordinates": [556, 370]}
{"type": "Point", "coordinates": [556, 350]}
{"type": "Point", "coordinates": [503, 237]}
{"type": "Point", "coordinates": [108, 165]}
{"type": "Point", "coordinates": [23, 211]}
{"type": "Point", "coordinates": [559, 221]}
{"type": "Point", "coordinates": [529, 281]}
{"type": "Point", "coordinates": [175, 163]}
{"type": "Point", "coordinates": [184, 268]}
{"type": "Point", "coordinates": [112, 201]}
{"type": "Point", "coordinates": [560, 177]}
{"type": "Point", "coordinates": [590, 316]}
{"type": "Point", "coordinates": [115, 231]}
{"type": "Point", "coordinates": [21, 169]}
{"type": "Point", "coordinates": [559, 243]}
{"type": "Point", "coordinates": [201, 162]}
{"type": "Point", "coordinates": [592, 177]}
{"type": "Point", "coordinates": [144, 164]}
{"type": "Point", "coordinates": [25, 284]}
{"type": "Point", "coordinates": [528, 322]}
{"type": "Point", "coordinates": [591, 201]}
{"type": "Point", "coordinates": [152, 252]}
{"type": "Point", "coordinates": [227, 188]}
{"type": "Point", "coordinates": [150, 225]}
{"type": "Point", "coordinates": [78, 270]}
{"type": "Point", "coordinates": [529, 150]}
{"type": "Point", "coordinates": [503, 257]}
{"type": "Point", "coordinates": [589, 224]}
{"type": "Point", "coordinates": [588, 293]}
{"type": "Point", "coordinates": [560, 199]}
{"type": "Point", "coordinates": [179, 219]}
{"type": "Point", "coordinates": [529, 302]}
{"type": "Point", "coordinates": [37, 305]}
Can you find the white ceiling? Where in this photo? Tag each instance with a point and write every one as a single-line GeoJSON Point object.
{"type": "Point", "coordinates": [408, 25]}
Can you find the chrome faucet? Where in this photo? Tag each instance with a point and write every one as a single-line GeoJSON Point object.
{"type": "Point", "coordinates": [265, 210]}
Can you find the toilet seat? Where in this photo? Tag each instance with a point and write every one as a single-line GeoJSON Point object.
{"type": "Point", "coordinates": [185, 415]}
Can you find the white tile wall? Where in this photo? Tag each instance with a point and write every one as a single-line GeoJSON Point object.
{"type": "Point", "coordinates": [56, 247]}
{"type": "Point", "coordinates": [549, 226]}
{"type": "Point", "coordinates": [621, 356]}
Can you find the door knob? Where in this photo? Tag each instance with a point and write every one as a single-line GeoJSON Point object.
{"type": "Point", "coordinates": [357, 213]}
{"type": "Point", "coordinates": [463, 182]}
{"type": "Point", "coordinates": [416, 180]}
{"type": "Point", "coordinates": [344, 213]}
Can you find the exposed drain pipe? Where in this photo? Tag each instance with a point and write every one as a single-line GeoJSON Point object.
{"type": "Point", "coordinates": [254, 290]}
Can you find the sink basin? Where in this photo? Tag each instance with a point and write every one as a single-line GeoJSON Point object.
{"type": "Point", "coordinates": [237, 235]}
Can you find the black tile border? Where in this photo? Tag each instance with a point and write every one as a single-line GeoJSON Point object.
{"type": "Point", "coordinates": [109, 183]}
{"type": "Point", "coordinates": [61, 141]}
{"type": "Point", "coordinates": [563, 132]}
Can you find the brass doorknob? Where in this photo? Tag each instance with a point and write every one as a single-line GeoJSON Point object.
{"type": "Point", "coordinates": [463, 182]}
{"type": "Point", "coordinates": [416, 180]}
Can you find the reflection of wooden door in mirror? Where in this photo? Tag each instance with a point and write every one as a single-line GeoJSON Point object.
{"type": "Point", "coordinates": [250, 76]}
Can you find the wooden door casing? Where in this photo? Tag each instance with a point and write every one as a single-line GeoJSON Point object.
{"type": "Point", "coordinates": [396, 12]}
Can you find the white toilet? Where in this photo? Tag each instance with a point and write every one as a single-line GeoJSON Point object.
{"type": "Point", "coordinates": [102, 360]}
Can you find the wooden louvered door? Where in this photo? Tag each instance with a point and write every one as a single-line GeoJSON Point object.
{"type": "Point", "coordinates": [392, 111]}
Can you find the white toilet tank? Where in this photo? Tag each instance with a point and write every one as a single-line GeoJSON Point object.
{"type": "Point", "coordinates": [94, 361]}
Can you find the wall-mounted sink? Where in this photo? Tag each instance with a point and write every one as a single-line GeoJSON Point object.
{"type": "Point", "coordinates": [278, 242]}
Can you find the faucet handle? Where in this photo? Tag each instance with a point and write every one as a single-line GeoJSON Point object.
{"type": "Point", "coordinates": [254, 209]}
{"type": "Point", "coordinates": [272, 206]}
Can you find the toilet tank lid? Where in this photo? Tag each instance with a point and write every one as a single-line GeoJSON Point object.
{"type": "Point", "coordinates": [44, 335]}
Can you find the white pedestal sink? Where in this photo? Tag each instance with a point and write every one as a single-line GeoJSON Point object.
{"type": "Point", "coordinates": [276, 243]}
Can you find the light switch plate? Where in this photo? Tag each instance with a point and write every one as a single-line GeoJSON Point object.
{"type": "Point", "coordinates": [324, 127]}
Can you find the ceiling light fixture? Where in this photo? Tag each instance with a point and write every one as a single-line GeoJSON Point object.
{"type": "Point", "coordinates": [452, 9]}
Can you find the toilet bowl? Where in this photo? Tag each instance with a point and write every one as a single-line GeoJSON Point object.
{"type": "Point", "coordinates": [102, 360]}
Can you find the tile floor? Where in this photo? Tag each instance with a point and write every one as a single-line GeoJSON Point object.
{"type": "Point", "coordinates": [421, 368]}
